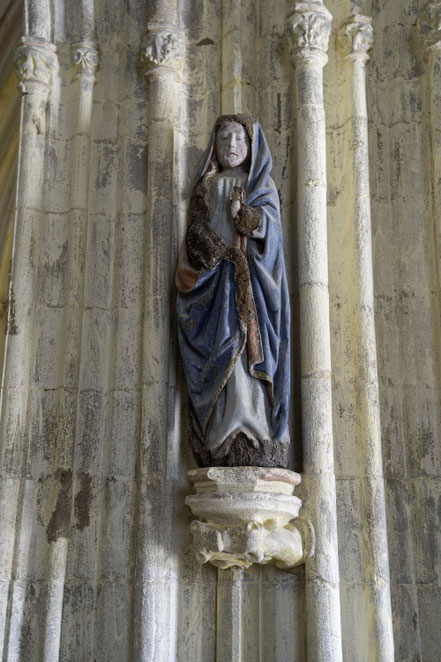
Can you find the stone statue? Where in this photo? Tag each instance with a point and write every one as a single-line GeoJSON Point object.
{"type": "Point", "coordinates": [233, 305]}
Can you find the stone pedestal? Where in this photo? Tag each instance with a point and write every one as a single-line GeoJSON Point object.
{"type": "Point", "coordinates": [248, 515]}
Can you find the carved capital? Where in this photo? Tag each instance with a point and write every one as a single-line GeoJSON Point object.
{"type": "Point", "coordinates": [430, 26]}
{"type": "Point", "coordinates": [85, 57]}
{"type": "Point", "coordinates": [35, 62]}
{"type": "Point", "coordinates": [307, 30]}
{"type": "Point", "coordinates": [355, 37]}
{"type": "Point", "coordinates": [248, 515]}
{"type": "Point", "coordinates": [162, 49]}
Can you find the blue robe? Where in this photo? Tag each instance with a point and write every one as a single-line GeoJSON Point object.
{"type": "Point", "coordinates": [211, 335]}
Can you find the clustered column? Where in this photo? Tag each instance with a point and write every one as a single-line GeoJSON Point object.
{"type": "Point", "coordinates": [354, 41]}
{"type": "Point", "coordinates": [308, 29]}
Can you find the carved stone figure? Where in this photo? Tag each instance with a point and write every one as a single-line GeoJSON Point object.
{"type": "Point", "coordinates": [233, 305]}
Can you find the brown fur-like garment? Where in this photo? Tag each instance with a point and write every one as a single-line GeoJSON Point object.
{"type": "Point", "coordinates": [204, 246]}
{"type": "Point", "coordinates": [244, 296]}
{"type": "Point", "coordinates": [247, 220]}
{"type": "Point", "coordinates": [241, 453]}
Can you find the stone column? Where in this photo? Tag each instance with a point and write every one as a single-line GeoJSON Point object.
{"type": "Point", "coordinates": [354, 41]}
{"type": "Point", "coordinates": [430, 28]}
{"type": "Point", "coordinates": [35, 62]}
{"type": "Point", "coordinates": [161, 56]}
{"type": "Point", "coordinates": [85, 61]}
{"type": "Point", "coordinates": [238, 30]}
{"type": "Point", "coordinates": [308, 29]}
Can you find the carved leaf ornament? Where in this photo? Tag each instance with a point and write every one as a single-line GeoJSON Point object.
{"type": "Point", "coordinates": [85, 58]}
{"type": "Point", "coordinates": [355, 36]}
{"type": "Point", "coordinates": [308, 29]}
{"type": "Point", "coordinates": [34, 62]}
{"type": "Point", "coordinates": [430, 23]}
{"type": "Point", "coordinates": [161, 47]}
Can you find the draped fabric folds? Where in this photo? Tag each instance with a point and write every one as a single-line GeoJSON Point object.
{"type": "Point", "coordinates": [212, 336]}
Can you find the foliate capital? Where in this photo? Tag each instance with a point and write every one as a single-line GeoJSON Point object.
{"type": "Point", "coordinates": [430, 26]}
{"type": "Point", "coordinates": [35, 62]}
{"type": "Point", "coordinates": [85, 57]}
{"type": "Point", "coordinates": [161, 49]}
{"type": "Point", "coordinates": [307, 30]}
{"type": "Point", "coordinates": [355, 37]}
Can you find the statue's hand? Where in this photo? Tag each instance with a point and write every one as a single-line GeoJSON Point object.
{"type": "Point", "coordinates": [204, 246]}
{"type": "Point", "coordinates": [247, 220]}
{"type": "Point", "coordinates": [237, 199]}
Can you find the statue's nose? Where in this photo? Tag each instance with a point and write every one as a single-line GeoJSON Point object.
{"type": "Point", "coordinates": [232, 140]}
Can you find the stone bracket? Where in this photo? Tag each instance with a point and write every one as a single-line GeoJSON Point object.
{"type": "Point", "coordinates": [248, 515]}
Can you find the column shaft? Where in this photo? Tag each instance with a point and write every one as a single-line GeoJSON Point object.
{"type": "Point", "coordinates": [85, 60]}
{"type": "Point", "coordinates": [229, 616]}
{"type": "Point", "coordinates": [355, 39]}
{"type": "Point", "coordinates": [308, 31]}
{"type": "Point", "coordinates": [433, 59]}
{"type": "Point", "coordinates": [35, 62]}
{"type": "Point", "coordinates": [154, 570]}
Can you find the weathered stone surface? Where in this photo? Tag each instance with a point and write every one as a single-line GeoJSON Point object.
{"type": "Point", "coordinates": [249, 515]}
{"type": "Point", "coordinates": [91, 382]}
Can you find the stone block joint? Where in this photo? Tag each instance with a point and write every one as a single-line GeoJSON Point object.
{"type": "Point", "coordinates": [248, 515]}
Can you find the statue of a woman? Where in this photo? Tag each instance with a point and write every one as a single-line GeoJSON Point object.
{"type": "Point", "coordinates": [233, 305]}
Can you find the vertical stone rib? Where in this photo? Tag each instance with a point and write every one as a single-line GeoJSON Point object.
{"type": "Point", "coordinates": [161, 57]}
{"type": "Point", "coordinates": [229, 599]}
{"type": "Point", "coordinates": [354, 41]}
{"type": "Point", "coordinates": [238, 91]}
{"type": "Point", "coordinates": [35, 62]}
{"type": "Point", "coordinates": [81, 271]}
{"type": "Point", "coordinates": [37, 19]}
{"type": "Point", "coordinates": [430, 28]}
{"type": "Point", "coordinates": [307, 29]}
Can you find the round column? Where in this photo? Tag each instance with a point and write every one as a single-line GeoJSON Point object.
{"type": "Point", "coordinates": [354, 41]}
{"type": "Point", "coordinates": [308, 29]}
{"type": "Point", "coordinates": [35, 62]}
{"type": "Point", "coordinates": [161, 57]}
{"type": "Point", "coordinates": [430, 29]}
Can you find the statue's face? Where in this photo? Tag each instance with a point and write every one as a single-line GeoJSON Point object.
{"type": "Point", "coordinates": [232, 145]}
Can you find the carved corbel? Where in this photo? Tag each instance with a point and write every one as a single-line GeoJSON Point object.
{"type": "Point", "coordinates": [429, 24]}
{"type": "Point", "coordinates": [35, 62]}
{"type": "Point", "coordinates": [248, 515]}
{"type": "Point", "coordinates": [85, 57]}
{"type": "Point", "coordinates": [355, 37]}
{"type": "Point", "coordinates": [162, 50]}
{"type": "Point", "coordinates": [307, 30]}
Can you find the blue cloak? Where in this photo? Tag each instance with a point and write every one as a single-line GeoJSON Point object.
{"type": "Point", "coordinates": [212, 336]}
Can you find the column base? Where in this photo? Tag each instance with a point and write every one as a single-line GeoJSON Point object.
{"type": "Point", "coordinates": [248, 515]}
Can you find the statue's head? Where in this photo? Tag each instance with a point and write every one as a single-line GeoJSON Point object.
{"type": "Point", "coordinates": [233, 141]}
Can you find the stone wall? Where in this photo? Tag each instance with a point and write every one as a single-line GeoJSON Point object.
{"type": "Point", "coordinates": [95, 552]}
